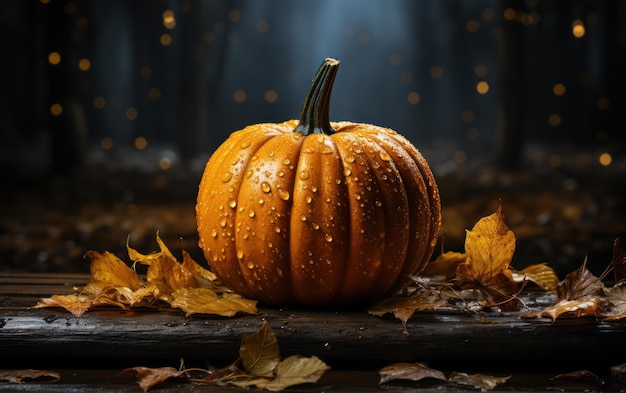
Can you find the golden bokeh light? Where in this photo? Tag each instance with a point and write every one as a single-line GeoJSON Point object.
{"type": "Point", "coordinates": [472, 26]}
{"type": "Point", "coordinates": [554, 119]}
{"type": "Point", "coordinates": [99, 102]}
{"type": "Point", "coordinates": [165, 39]}
{"type": "Point", "coordinates": [603, 103]}
{"type": "Point", "coordinates": [472, 133]}
{"type": "Point", "coordinates": [54, 58]}
{"type": "Point", "coordinates": [578, 28]}
{"type": "Point", "coordinates": [154, 94]}
{"type": "Point", "coordinates": [436, 72]}
{"type": "Point", "coordinates": [555, 160]}
{"type": "Point", "coordinates": [106, 143]}
{"type": "Point", "coordinates": [605, 159]}
{"type": "Point", "coordinates": [169, 20]}
{"type": "Point", "coordinates": [234, 15]}
{"type": "Point", "coordinates": [271, 96]}
{"type": "Point", "coordinates": [468, 117]}
{"type": "Point", "coordinates": [84, 64]}
{"type": "Point", "coordinates": [165, 163]}
{"type": "Point", "coordinates": [413, 98]}
{"type": "Point", "coordinates": [482, 87]}
{"type": "Point", "coordinates": [56, 109]}
{"type": "Point", "coordinates": [558, 89]}
{"type": "Point", "coordinates": [239, 96]}
{"type": "Point", "coordinates": [141, 143]}
{"type": "Point", "coordinates": [131, 113]}
{"type": "Point", "coordinates": [262, 26]}
{"type": "Point", "coordinates": [480, 71]}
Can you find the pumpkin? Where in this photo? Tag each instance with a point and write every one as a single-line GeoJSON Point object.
{"type": "Point", "coordinates": [316, 213]}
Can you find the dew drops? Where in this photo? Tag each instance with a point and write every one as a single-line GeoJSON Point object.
{"type": "Point", "coordinates": [277, 229]}
{"type": "Point", "coordinates": [232, 203]}
{"type": "Point", "coordinates": [240, 254]}
{"type": "Point", "coordinates": [347, 172]}
{"type": "Point", "coordinates": [251, 213]}
{"type": "Point", "coordinates": [303, 218]}
{"type": "Point", "coordinates": [223, 222]}
{"type": "Point", "coordinates": [284, 195]}
{"type": "Point", "coordinates": [286, 161]}
{"type": "Point", "coordinates": [328, 238]}
{"type": "Point", "coordinates": [245, 144]}
{"type": "Point", "coordinates": [378, 203]}
{"type": "Point", "coordinates": [349, 159]}
{"type": "Point", "coordinates": [308, 199]}
{"type": "Point", "coordinates": [265, 187]}
{"type": "Point", "coordinates": [250, 265]}
{"type": "Point", "coordinates": [308, 150]}
{"type": "Point", "coordinates": [384, 156]}
{"type": "Point", "coordinates": [261, 201]}
{"type": "Point", "coordinates": [214, 233]}
{"type": "Point", "coordinates": [327, 150]}
{"type": "Point", "coordinates": [226, 176]}
{"type": "Point", "coordinates": [304, 175]}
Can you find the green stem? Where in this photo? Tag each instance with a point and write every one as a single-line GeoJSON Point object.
{"type": "Point", "coordinates": [314, 117]}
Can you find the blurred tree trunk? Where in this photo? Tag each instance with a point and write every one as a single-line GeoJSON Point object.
{"type": "Point", "coordinates": [513, 97]}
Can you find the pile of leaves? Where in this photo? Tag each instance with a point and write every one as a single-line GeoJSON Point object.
{"type": "Point", "coordinates": [478, 279]}
{"type": "Point", "coordinates": [481, 278]}
{"type": "Point", "coordinates": [185, 285]}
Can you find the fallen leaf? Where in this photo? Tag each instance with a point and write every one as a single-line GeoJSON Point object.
{"type": "Point", "coordinates": [444, 266]}
{"type": "Point", "coordinates": [580, 375]}
{"type": "Point", "coordinates": [616, 296]}
{"type": "Point", "coordinates": [108, 271]}
{"type": "Point", "coordinates": [207, 301]}
{"type": "Point", "coordinates": [77, 305]}
{"type": "Point", "coordinates": [619, 370]}
{"type": "Point", "coordinates": [403, 307]}
{"type": "Point", "coordinates": [259, 352]}
{"type": "Point", "coordinates": [541, 274]}
{"type": "Point", "coordinates": [489, 248]}
{"type": "Point", "coordinates": [148, 377]}
{"type": "Point", "coordinates": [294, 370]}
{"type": "Point", "coordinates": [169, 276]}
{"type": "Point", "coordinates": [18, 376]}
{"type": "Point", "coordinates": [409, 371]}
{"type": "Point", "coordinates": [618, 262]}
{"type": "Point", "coordinates": [479, 381]}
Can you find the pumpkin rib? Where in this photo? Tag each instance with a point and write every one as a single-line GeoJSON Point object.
{"type": "Point", "coordinates": [265, 199]}
{"type": "Point", "coordinates": [420, 209]}
{"type": "Point", "coordinates": [366, 220]}
{"type": "Point", "coordinates": [215, 204]}
{"type": "Point", "coordinates": [319, 235]}
{"type": "Point", "coordinates": [396, 211]}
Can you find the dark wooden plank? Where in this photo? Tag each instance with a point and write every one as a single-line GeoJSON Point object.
{"type": "Point", "coordinates": [343, 339]}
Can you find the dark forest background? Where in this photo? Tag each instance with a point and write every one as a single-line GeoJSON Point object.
{"type": "Point", "coordinates": [95, 90]}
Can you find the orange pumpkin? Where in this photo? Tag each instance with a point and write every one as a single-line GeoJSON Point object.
{"type": "Point", "coordinates": [314, 212]}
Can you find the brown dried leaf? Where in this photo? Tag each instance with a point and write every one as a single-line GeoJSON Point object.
{"type": "Point", "coordinates": [586, 306]}
{"type": "Point", "coordinates": [489, 248]}
{"type": "Point", "coordinates": [619, 370]}
{"type": "Point", "coordinates": [148, 377]}
{"type": "Point", "coordinates": [403, 307]}
{"type": "Point", "coordinates": [75, 304]}
{"type": "Point", "coordinates": [541, 274]}
{"type": "Point", "coordinates": [479, 381]}
{"type": "Point", "coordinates": [619, 262]}
{"type": "Point", "coordinates": [580, 283]}
{"type": "Point", "coordinates": [444, 266]}
{"type": "Point", "coordinates": [18, 376]}
{"type": "Point", "coordinates": [259, 352]}
{"type": "Point", "coordinates": [616, 297]}
{"type": "Point", "coordinates": [294, 370]}
{"type": "Point", "coordinates": [410, 371]}
{"type": "Point", "coordinates": [580, 375]}
{"type": "Point", "coordinates": [206, 301]}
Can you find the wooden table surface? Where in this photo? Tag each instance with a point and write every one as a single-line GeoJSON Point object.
{"type": "Point", "coordinates": [90, 351]}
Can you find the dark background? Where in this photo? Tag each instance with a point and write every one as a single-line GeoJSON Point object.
{"type": "Point", "coordinates": [109, 143]}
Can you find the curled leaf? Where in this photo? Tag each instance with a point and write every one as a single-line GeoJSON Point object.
{"type": "Point", "coordinates": [148, 377]}
{"type": "Point", "coordinates": [409, 371]}
{"type": "Point", "coordinates": [294, 370]}
{"type": "Point", "coordinates": [207, 301]}
{"type": "Point", "coordinates": [541, 274]}
{"type": "Point", "coordinates": [18, 376]}
{"type": "Point", "coordinates": [479, 381]}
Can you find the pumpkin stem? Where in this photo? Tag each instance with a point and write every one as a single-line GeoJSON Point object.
{"type": "Point", "coordinates": [314, 117]}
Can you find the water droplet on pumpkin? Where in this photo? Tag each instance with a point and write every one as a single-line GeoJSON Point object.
{"type": "Point", "coordinates": [384, 156]}
{"type": "Point", "coordinates": [316, 226]}
{"type": "Point", "coordinates": [308, 199]}
{"type": "Point", "coordinates": [232, 203]}
{"type": "Point", "coordinates": [214, 233]}
{"type": "Point", "coordinates": [282, 194]}
{"type": "Point", "coordinates": [379, 203]}
{"type": "Point", "coordinates": [304, 175]}
{"type": "Point", "coordinates": [250, 265]}
{"type": "Point", "coordinates": [308, 150]}
{"type": "Point", "coordinates": [245, 144]}
{"type": "Point", "coordinates": [349, 158]}
{"type": "Point", "coordinates": [248, 173]}
{"type": "Point", "coordinates": [279, 271]}
{"type": "Point", "coordinates": [347, 172]}
{"type": "Point", "coordinates": [223, 222]}
{"type": "Point", "coordinates": [226, 176]}
{"type": "Point", "coordinates": [251, 213]}
{"type": "Point", "coordinates": [261, 201]}
{"type": "Point", "coordinates": [328, 238]}
{"type": "Point", "coordinates": [357, 197]}
{"type": "Point", "coordinates": [286, 161]}
{"type": "Point", "coordinates": [327, 150]}
{"type": "Point", "coordinates": [265, 187]}
{"type": "Point", "coordinates": [240, 254]}
{"type": "Point", "coordinates": [303, 218]}
{"type": "Point", "coordinates": [277, 229]}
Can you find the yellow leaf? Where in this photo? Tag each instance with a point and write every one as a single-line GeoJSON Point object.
{"type": "Point", "coordinates": [541, 274]}
{"type": "Point", "coordinates": [107, 270]}
{"type": "Point", "coordinates": [206, 301]}
{"type": "Point", "coordinates": [294, 370]}
{"type": "Point", "coordinates": [169, 276]}
{"type": "Point", "coordinates": [146, 259]}
{"type": "Point", "coordinates": [444, 266]}
{"type": "Point", "coordinates": [75, 304]}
